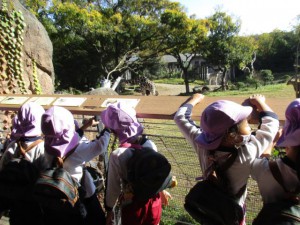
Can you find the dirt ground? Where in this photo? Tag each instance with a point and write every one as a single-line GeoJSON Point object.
{"type": "Point", "coordinates": [171, 89]}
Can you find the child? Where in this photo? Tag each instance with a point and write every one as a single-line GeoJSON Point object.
{"type": "Point", "coordinates": [224, 126]}
{"type": "Point", "coordinates": [288, 168]}
{"type": "Point", "coordinates": [61, 138]}
{"type": "Point", "coordinates": [26, 132]}
{"type": "Point", "coordinates": [123, 123]}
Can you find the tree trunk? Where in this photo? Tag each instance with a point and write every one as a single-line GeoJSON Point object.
{"type": "Point", "coordinates": [223, 83]}
{"type": "Point", "coordinates": [252, 65]}
{"type": "Point", "coordinates": [186, 81]}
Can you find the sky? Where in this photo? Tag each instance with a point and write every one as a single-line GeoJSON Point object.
{"type": "Point", "coordinates": [257, 16]}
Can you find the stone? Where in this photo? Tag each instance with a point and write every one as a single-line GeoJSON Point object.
{"type": "Point", "coordinates": [37, 46]}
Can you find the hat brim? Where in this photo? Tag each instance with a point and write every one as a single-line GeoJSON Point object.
{"type": "Point", "coordinates": [104, 118]}
{"type": "Point", "coordinates": [201, 139]}
{"type": "Point", "coordinates": [58, 149]}
{"type": "Point", "coordinates": [289, 140]}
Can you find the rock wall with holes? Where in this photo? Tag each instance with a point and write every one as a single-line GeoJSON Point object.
{"type": "Point", "coordinates": [25, 52]}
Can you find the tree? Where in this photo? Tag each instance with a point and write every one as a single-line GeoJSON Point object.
{"type": "Point", "coordinates": [184, 36]}
{"type": "Point", "coordinates": [138, 26]}
{"type": "Point", "coordinates": [297, 55]}
{"type": "Point", "coordinates": [91, 38]}
{"type": "Point", "coordinates": [243, 53]}
{"type": "Point", "coordinates": [276, 51]}
{"type": "Point", "coordinates": [219, 46]}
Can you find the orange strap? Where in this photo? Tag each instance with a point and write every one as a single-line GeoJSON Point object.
{"type": "Point", "coordinates": [23, 149]}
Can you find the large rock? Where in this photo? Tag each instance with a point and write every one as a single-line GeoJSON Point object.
{"type": "Point", "coordinates": [37, 46]}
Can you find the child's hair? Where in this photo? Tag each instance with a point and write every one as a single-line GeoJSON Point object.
{"type": "Point", "coordinates": [234, 129]}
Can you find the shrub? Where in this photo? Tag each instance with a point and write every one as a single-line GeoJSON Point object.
{"type": "Point", "coordinates": [240, 85]}
{"type": "Point", "coordinates": [266, 76]}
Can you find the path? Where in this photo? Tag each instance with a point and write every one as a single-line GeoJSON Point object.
{"type": "Point", "coordinates": [171, 89]}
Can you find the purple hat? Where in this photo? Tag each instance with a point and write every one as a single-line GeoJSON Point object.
{"type": "Point", "coordinates": [122, 120]}
{"type": "Point", "coordinates": [76, 124]}
{"type": "Point", "coordinates": [27, 122]}
{"type": "Point", "coordinates": [59, 130]}
{"type": "Point", "coordinates": [217, 118]}
{"type": "Point", "coordinates": [291, 129]}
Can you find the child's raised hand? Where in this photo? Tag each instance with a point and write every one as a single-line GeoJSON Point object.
{"type": "Point", "coordinates": [196, 98]}
{"type": "Point", "coordinates": [260, 102]}
{"type": "Point", "coordinates": [257, 99]}
{"type": "Point", "coordinates": [165, 196]}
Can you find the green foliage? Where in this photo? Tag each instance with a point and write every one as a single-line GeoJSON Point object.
{"type": "Point", "coordinates": [240, 85]}
{"type": "Point", "coordinates": [276, 51]}
{"type": "Point", "coordinates": [37, 86]}
{"type": "Point", "coordinates": [177, 81]}
{"type": "Point", "coordinates": [266, 76]}
{"type": "Point", "coordinates": [286, 77]}
{"type": "Point", "coordinates": [223, 49]}
{"type": "Point", "coordinates": [270, 91]}
{"type": "Point", "coordinates": [12, 27]}
{"type": "Point", "coordinates": [253, 82]}
{"type": "Point", "coordinates": [90, 40]}
{"type": "Point", "coordinates": [184, 37]}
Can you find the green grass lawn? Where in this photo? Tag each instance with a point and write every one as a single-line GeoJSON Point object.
{"type": "Point", "coordinates": [280, 90]}
{"type": "Point", "coordinates": [272, 90]}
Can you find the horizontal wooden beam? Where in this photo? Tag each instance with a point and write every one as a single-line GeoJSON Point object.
{"type": "Point", "coordinates": [155, 107]}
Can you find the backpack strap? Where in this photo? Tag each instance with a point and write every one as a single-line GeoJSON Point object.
{"type": "Point", "coordinates": [59, 161]}
{"type": "Point", "coordinates": [220, 169]}
{"type": "Point", "coordinates": [278, 177]}
{"type": "Point", "coordinates": [69, 153]}
{"type": "Point", "coordinates": [276, 174]}
{"type": "Point", "coordinates": [229, 161]}
{"type": "Point", "coordinates": [23, 149]}
{"type": "Point", "coordinates": [291, 196]}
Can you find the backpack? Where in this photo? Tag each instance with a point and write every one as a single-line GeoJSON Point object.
{"type": "Point", "coordinates": [18, 176]}
{"type": "Point", "coordinates": [96, 174]}
{"type": "Point", "coordinates": [284, 212]}
{"type": "Point", "coordinates": [208, 202]}
{"type": "Point", "coordinates": [56, 189]}
{"type": "Point", "coordinates": [148, 172]}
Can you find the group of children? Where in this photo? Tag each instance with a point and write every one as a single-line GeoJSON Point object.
{"type": "Point", "coordinates": [55, 130]}
{"type": "Point", "coordinates": [52, 134]}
